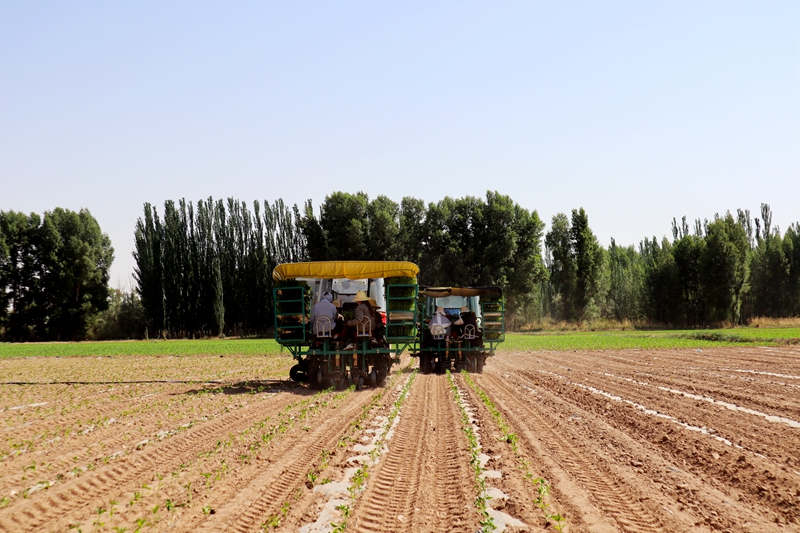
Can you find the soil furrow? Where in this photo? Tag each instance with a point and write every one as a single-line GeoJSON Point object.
{"type": "Point", "coordinates": [610, 495]}
{"type": "Point", "coordinates": [381, 501]}
{"type": "Point", "coordinates": [72, 499]}
{"type": "Point", "coordinates": [765, 491]}
{"type": "Point", "coordinates": [271, 487]}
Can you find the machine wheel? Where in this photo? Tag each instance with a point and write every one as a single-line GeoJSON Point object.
{"type": "Point", "coordinates": [425, 363]}
{"type": "Point", "coordinates": [359, 383]}
{"type": "Point", "coordinates": [479, 366]}
{"type": "Point", "coordinates": [331, 383]}
{"type": "Point", "coordinates": [319, 377]}
{"type": "Point", "coordinates": [297, 373]}
{"type": "Point", "coordinates": [373, 378]}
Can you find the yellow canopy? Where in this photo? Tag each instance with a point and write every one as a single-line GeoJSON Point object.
{"type": "Point", "coordinates": [345, 269]}
{"type": "Point", "coordinates": [442, 292]}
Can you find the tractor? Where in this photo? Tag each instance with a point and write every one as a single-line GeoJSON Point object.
{"type": "Point", "coordinates": [329, 352]}
{"type": "Point", "coordinates": [460, 327]}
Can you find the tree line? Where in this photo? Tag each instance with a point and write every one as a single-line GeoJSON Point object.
{"type": "Point", "coordinates": [53, 274]}
{"type": "Point", "coordinates": [727, 270]}
{"type": "Point", "coordinates": [205, 268]}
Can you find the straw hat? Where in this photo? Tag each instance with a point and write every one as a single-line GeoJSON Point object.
{"type": "Point", "coordinates": [337, 304]}
{"type": "Point", "coordinates": [374, 303]}
{"type": "Point", "coordinates": [465, 309]}
{"type": "Point", "coordinates": [361, 296]}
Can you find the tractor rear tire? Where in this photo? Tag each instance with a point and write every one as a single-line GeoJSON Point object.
{"type": "Point", "coordinates": [425, 363]}
{"type": "Point", "coordinates": [297, 373]}
{"type": "Point", "coordinates": [373, 379]}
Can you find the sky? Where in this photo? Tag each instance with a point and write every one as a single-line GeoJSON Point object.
{"type": "Point", "coordinates": [636, 111]}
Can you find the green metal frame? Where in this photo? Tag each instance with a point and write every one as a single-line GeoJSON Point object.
{"type": "Point", "coordinates": [301, 346]}
{"type": "Point", "coordinates": [493, 317]}
{"type": "Point", "coordinates": [403, 317]}
{"type": "Point", "coordinates": [496, 323]}
{"type": "Point", "coordinates": [288, 296]}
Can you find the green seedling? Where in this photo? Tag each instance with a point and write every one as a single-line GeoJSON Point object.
{"type": "Point", "coordinates": [542, 485]}
{"type": "Point", "coordinates": [486, 521]}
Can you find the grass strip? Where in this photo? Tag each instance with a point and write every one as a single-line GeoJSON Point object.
{"type": "Point", "coordinates": [175, 348]}
{"type": "Point", "coordinates": [541, 485]}
{"type": "Point", "coordinates": [649, 339]}
{"type": "Point", "coordinates": [487, 523]}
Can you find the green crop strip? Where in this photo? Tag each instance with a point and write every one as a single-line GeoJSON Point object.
{"type": "Point", "coordinates": [359, 479]}
{"type": "Point", "coordinates": [541, 485]}
{"type": "Point", "coordinates": [486, 522]}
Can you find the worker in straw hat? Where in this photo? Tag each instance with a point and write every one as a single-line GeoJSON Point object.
{"type": "Point", "coordinates": [365, 314]}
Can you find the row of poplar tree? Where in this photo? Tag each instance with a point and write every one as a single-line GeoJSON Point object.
{"type": "Point", "coordinates": [205, 268]}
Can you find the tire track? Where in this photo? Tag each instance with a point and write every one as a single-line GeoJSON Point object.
{"type": "Point", "coordinates": [423, 483]}
{"type": "Point", "coordinates": [609, 494]}
{"type": "Point", "coordinates": [382, 500]}
{"type": "Point", "coordinates": [455, 500]}
{"type": "Point", "coordinates": [66, 501]}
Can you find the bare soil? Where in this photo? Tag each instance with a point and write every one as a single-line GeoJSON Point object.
{"type": "Point", "coordinates": [629, 441]}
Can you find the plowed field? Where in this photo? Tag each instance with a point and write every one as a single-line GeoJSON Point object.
{"type": "Point", "coordinates": [605, 441]}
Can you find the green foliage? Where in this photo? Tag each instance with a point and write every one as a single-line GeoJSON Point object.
{"type": "Point", "coordinates": [724, 269]}
{"type": "Point", "coordinates": [208, 271]}
{"type": "Point", "coordinates": [124, 319]}
{"type": "Point", "coordinates": [53, 274]}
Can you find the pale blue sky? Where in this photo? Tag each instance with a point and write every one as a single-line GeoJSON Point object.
{"type": "Point", "coordinates": [637, 111]}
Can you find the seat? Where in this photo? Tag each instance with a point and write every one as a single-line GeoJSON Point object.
{"type": "Point", "coordinates": [438, 332]}
{"type": "Point", "coordinates": [469, 333]}
{"type": "Point", "coordinates": [323, 328]}
{"type": "Point", "coordinates": [364, 329]}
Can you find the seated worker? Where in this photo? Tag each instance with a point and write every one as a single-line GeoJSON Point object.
{"type": "Point", "coordinates": [364, 313]}
{"type": "Point", "coordinates": [337, 329]}
{"type": "Point", "coordinates": [375, 308]}
{"type": "Point", "coordinates": [379, 326]}
{"type": "Point", "coordinates": [466, 318]}
{"type": "Point", "coordinates": [439, 318]}
{"type": "Point", "coordinates": [323, 308]}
